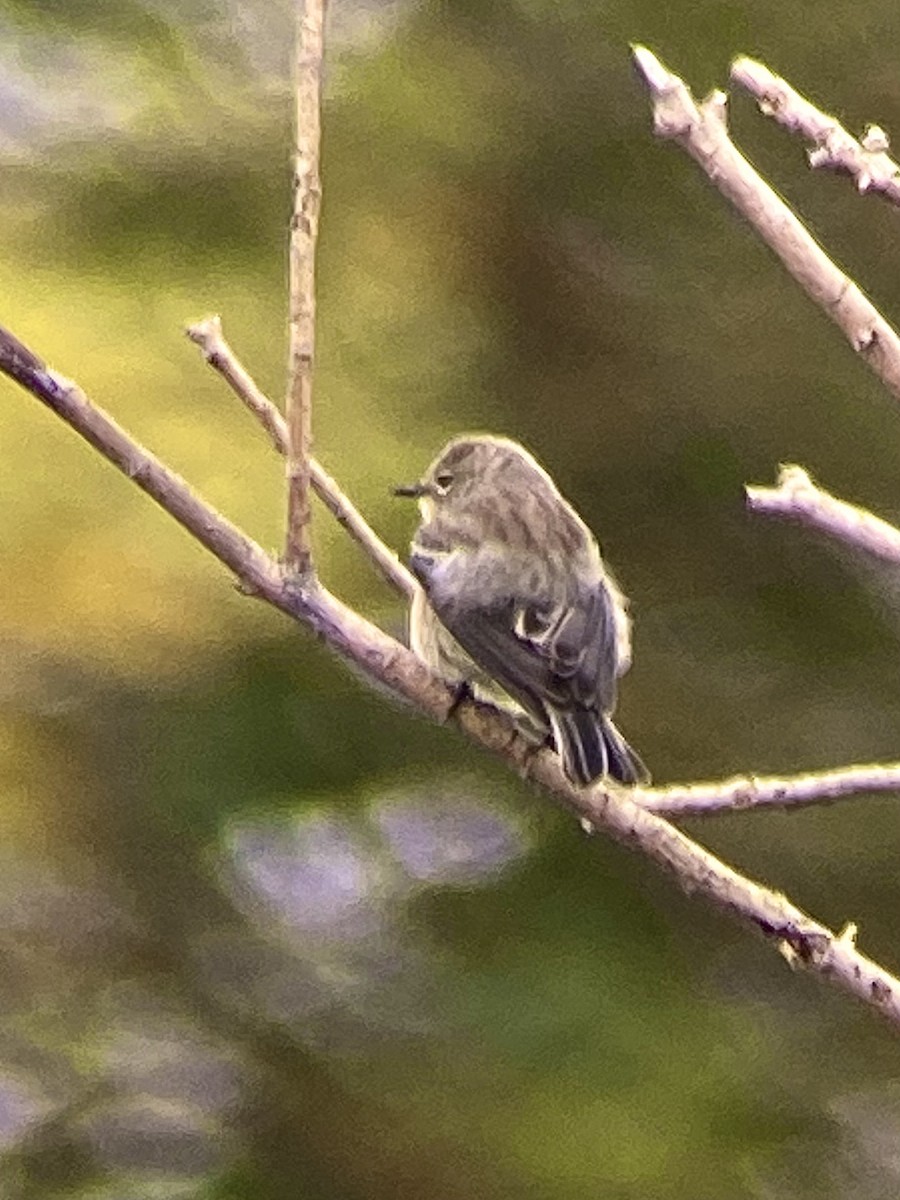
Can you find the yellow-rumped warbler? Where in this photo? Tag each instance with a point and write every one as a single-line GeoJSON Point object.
{"type": "Point", "coordinates": [517, 602]}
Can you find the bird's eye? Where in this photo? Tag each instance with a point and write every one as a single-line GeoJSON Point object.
{"type": "Point", "coordinates": [443, 482]}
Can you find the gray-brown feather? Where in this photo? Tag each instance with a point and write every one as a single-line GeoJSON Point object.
{"type": "Point", "coordinates": [517, 596]}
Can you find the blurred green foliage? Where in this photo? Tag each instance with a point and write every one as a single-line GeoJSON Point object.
{"type": "Point", "coordinates": [221, 976]}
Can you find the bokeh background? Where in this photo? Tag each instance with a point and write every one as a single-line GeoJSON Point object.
{"type": "Point", "coordinates": [263, 932]}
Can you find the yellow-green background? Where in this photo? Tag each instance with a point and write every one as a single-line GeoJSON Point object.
{"type": "Point", "coordinates": [504, 246]}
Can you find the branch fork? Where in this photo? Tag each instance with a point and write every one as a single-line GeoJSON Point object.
{"type": "Point", "coordinates": [637, 817]}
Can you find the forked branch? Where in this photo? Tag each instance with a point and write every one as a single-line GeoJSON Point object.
{"type": "Point", "coordinates": [801, 939]}
{"type": "Point", "coordinates": [626, 816]}
{"type": "Point", "coordinates": [207, 334]}
{"type": "Point", "coordinates": [701, 130]}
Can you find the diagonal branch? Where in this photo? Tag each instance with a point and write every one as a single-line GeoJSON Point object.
{"type": "Point", "coordinates": [701, 131]}
{"type": "Point", "coordinates": [302, 256]}
{"type": "Point", "coordinates": [207, 334]}
{"type": "Point", "coordinates": [801, 939]}
{"type": "Point", "coordinates": [867, 161]}
{"type": "Point", "coordinates": [799, 499]}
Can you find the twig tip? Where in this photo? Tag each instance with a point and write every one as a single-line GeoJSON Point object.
{"type": "Point", "coordinates": [207, 334]}
{"type": "Point", "coordinates": [654, 73]}
{"type": "Point", "coordinates": [848, 935]}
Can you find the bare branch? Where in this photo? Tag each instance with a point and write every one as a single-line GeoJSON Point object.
{"type": "Point", "coordinates": [207, 334]}
{"type": "Point", "coordinates": [169, 490]}
{"type": "Point", "coordinates": [302, 254]}
{"type": "Point", "coordinates": [701, 131]}
{"type": "Point", "coordinates": [209, 337]}
{"type": "Point", "coordinates": [802, 940]}
{"type": "Point", "coordinates": [347, 514]}
{"type": "Point", "coordinates": [799, 499]}
{"type": "Point", "coordinates": [758, 791]}
{"type": "Point", "coordinates": [796, 497]}
{"type": "Point", "coordinates": [834, 149]}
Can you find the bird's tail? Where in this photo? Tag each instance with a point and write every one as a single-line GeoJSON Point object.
{"type": "Point", "coordinates": [590, 747]}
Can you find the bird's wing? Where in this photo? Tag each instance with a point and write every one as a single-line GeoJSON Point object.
{"type": "Point", "coordinates": [565, 656]}
{"type": "Point", "coordinates": [581, 641]}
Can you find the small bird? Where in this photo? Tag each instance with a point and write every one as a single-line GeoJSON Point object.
{"type": "Point", "coordinates": [517, 603]}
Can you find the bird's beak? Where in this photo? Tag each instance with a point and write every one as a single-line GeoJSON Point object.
{"type": "Point", "coordinates": [412, 489]}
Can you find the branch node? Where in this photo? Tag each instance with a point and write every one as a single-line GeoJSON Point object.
{"type": "Point", "coordinates": [848, 935]}
{"type": "Point", "coordinates": [875, 140]}
{"type": "Point", "coordinates": [702, 133]}
{"type": "Point", "coordinates": [675, 113]}
{"type": "Point", "coordinates": [882, 993]}
{"type": "Point", "coordinates": [715, 108]}
{"type": "Point", "coordinates": [244, 587]}
{"type": "Point", "coordinates": [789, 954]}
{"type": "Point", "coordinates": [208, 335]}
{"type": "Point", "coordinates": [866, 161]}
{"type": "Point", "coordinates": [799, 937]}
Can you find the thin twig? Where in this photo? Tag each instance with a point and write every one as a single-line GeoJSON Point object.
{"type": "Point", "coordinates": [302, 256]}
{"type": "Point", "coordinates": [799, 499]}
{"type": "Point", "coordinates": [834, 149]}
{"type": "Point", "coordinates": [758, 791]}
{"type": "Point", "coordinates": [802, 940]}
{"type": "Point", "coordinates": [207, 334]}
{"type": "Point", "coordinates": [702, 132]}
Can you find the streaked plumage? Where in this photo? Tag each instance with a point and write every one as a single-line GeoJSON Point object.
{"type": "Point", "coordinates": [517, 601]}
